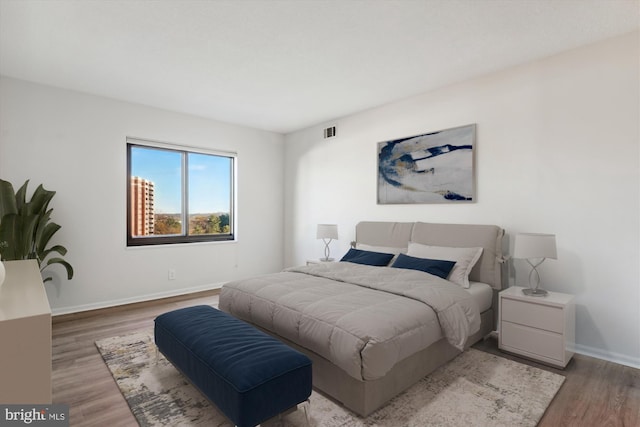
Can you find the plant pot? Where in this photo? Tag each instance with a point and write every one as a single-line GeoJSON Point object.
{"type": "Point", "coordinates": [2, 273]}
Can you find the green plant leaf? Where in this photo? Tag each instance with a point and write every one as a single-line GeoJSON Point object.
{"type": "Point", "coordinates": [57, 248]}
{"type": "Point", "coordinates": [8, 231]}
{"type": "Point", "coordinates": [48, 232]}
{"type": "Point", "coordinates": [40, 229]}
{"type": "Point", "coordinates": [21, 197]}
{"type": "Point", "coordinates": [40, 200]}
{"type": "Point", "coordinates": [17, 231]}
{"type": "Point", "coordinates": [62, 262]}
{"type": "Point", "coordinates": [7, 199]}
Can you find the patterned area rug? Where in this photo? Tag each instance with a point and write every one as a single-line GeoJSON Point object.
{"type": "Point", "coordinates": [475, 389]}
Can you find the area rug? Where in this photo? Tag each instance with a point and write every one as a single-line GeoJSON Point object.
{"type": "Point", "coordinates": [475, 389]}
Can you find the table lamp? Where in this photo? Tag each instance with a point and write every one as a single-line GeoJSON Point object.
{"type": "Point", "coordinates": [536, 247]}
{"type": "Point", "coordinates": [327, 232]}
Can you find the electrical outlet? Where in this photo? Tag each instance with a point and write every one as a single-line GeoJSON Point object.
{"type": "Point", "coordinates": [172, 274]}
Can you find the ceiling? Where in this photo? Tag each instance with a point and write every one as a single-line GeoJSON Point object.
{"type": "Point", "coordinates": [286, 65]}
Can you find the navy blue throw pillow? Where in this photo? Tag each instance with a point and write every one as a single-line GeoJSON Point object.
{"type": "Point", "coordinates": [436, 267]}
{"type": "Point", "coordinates": [377, 259]}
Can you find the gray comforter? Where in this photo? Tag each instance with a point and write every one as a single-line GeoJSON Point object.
{"type": "Point", "coordinates": [363, 319]}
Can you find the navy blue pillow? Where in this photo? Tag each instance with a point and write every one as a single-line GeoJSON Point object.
{"type": "Point", "coordinates": [436, 267]}
{"type": "Point", "coordinates": [358, 256]}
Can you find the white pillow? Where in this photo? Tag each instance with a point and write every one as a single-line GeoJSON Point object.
{"type": "Point", "coordinates": [465, 259]}
{"type": "Point", "coordinates": [383, 249]}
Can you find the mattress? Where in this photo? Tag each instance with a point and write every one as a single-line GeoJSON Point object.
{"type": "Point", "coordinates": [358, 391]}
{"type": "Point", "coordinates": [482, 295]}
{"type": "Point", "coordinates": [363, 319]}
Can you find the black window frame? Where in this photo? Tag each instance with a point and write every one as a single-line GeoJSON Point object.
{"type": "Point", "coordinates": [185, 237]}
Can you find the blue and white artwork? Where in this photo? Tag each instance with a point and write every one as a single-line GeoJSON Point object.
{"type": "Point", "coordinates": [434, 167]}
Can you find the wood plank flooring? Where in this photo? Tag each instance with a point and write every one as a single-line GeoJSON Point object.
{"type": "Point", "coordinates": [595, 393]}
{"type": "Point", "coordinates": [80, 377]}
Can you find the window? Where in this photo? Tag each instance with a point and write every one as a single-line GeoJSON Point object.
{"type": "Point", "coordinates": [175, 195]}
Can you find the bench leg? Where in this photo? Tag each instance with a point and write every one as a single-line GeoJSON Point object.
{"type": "Point", "coordinates": [306, 407]}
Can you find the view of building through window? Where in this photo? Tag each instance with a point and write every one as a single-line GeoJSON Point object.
{"type": "Point", "coordinates": [143, 211]}
{"type": "Point", "coordinates": [179, 194]}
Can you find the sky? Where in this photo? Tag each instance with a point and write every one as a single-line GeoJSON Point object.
{"type": "Point", "coordinates": [209, 179]}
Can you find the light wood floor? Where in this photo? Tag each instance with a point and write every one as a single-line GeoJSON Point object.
{"type": "Point", "coordinates": [595, 393]}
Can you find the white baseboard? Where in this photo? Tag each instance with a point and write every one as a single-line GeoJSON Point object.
{"type": "Point", "coordinates": [597, 353]}
{"type": "Point", "coordinates": [141, 298]}
{"type": "Point", "coordinates": [618, 358]}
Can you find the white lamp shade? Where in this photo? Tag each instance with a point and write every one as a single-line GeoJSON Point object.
{"type": "Point", "coordinates": [327, 231]}
{"type": "Point", "coordinates": [534, 245]}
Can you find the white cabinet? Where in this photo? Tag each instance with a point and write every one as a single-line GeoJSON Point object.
{"type": "Point", "coordinates": [317, 261]}
{"type": "Point", "coordinates": [25, 336]}
{"type": "Point", "coordinates": [539, 328]}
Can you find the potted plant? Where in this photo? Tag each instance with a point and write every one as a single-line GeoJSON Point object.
{"type": "Point", "coordinates": [26, 227]}
{"type": "Point", "coordinates": [2, 271]}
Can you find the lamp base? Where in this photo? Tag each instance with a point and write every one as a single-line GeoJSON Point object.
{"type": "Point", "coordinates": [535, 292]}
{"type": "Point", "coordinates": [327, 259]}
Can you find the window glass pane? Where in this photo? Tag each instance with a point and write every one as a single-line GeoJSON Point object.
{"type": "Point", "coordinates": [209, 195]}
{"type": "Point", "coordinates": [179, 196]}
{"type": "Point", "coordinates": [156, 192]}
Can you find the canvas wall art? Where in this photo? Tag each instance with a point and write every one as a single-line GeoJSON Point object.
{"type": "Point", "coordinates": [435, 167]}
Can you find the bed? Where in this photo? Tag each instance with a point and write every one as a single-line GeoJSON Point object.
{"type": "Point", "coordinates": [373, 331]}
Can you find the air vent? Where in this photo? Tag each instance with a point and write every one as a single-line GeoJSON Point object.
{"type": "Point", "coordinates": [330, 132]}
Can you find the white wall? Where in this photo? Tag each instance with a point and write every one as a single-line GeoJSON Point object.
{"type": "Point", "coordinates": [76, 145]}
{"type": "Point", "coordinates": [557, 152]}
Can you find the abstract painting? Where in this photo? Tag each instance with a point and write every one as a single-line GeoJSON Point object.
{"type": "Point", "coordinates": [435, 167]}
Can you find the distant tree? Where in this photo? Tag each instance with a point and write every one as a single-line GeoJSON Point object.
{"type": "Point", "coordinates": [167, 224]}
{"type": "Point", "coordinates": [213, 224]}
{"type": "Point", "coordinates": [197, 224]}
{"type": "Point", "coordinates": [224, 222]}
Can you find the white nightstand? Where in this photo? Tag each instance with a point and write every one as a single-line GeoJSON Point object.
{"type": "Point", "coordinates": [539, 328]}
{"type": "Point", "coordinates": [317, 261]}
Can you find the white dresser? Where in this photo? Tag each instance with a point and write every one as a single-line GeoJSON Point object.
{"type": "Point", "coordinates": [25, 336]}
{"type": "Point", "coordinates": [539, 328]}
{"type": "Point", "coordinates": [318, 261]}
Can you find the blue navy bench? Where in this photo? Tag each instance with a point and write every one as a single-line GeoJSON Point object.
{"type": "Point", "coordinates": [249, 375]}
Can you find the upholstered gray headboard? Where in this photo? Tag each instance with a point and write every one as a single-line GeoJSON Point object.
{"type": "Point", "coordinates": [399, 234]}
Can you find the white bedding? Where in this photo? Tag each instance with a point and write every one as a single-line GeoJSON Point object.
{"type": "Point", "coordinates": [482, 295]}
{"type": "Point", "coordinates": [363, 319]}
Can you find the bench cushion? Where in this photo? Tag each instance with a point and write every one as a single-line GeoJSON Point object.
{"type": "Point", "coordinates": [249, 375]}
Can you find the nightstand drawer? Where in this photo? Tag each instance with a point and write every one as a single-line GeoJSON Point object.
{"type": "Point", "coordinates": [535, 315]}
{"type": "Point", "coordinates": [535, 341]}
